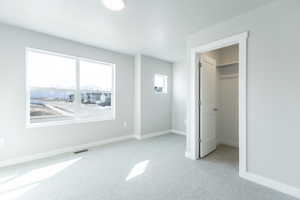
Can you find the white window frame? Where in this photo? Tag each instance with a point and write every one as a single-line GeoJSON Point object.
{"type": "Point", "coordinates": [76, 120]}
{"type": "Point", "coordinates": [165, 77]}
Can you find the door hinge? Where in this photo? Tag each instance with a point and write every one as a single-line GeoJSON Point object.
{"type": "Point", "coordinates": [200, 64]}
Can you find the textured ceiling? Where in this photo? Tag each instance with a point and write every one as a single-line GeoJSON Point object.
{"type": "Point", "coordinates": [153, 27]}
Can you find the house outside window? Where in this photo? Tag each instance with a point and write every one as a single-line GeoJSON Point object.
{"type": "Point", "coordinates": [66, 89]}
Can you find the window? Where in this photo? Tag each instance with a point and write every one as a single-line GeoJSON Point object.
{"type": "Point", "coordinates": [160, 83]}
{"type": "Point", "coordinates": [67, 89]}
{"type": "Point", "coordinates": [95, 89]}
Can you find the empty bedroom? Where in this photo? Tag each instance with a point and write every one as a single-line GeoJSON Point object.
{"type": "Point", "coordinates": [158, 100]}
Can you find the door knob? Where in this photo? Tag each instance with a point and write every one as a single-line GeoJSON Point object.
{"type": "Point", "coordinates": [216, 109]}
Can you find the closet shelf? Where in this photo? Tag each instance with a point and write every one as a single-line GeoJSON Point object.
{"type": "Point", "coordinates": [227, 64]}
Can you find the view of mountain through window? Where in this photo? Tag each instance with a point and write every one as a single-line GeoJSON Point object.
{"type": "Point", "coordinates": [66, 88]}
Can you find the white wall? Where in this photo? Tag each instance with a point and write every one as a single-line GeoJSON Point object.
{"type": "Point", "coordinates": [20, 141]}
{"type": "Point", "coordinates": [180, 91]}
{"type": "Point", "coordinates": [156, 109]}
{"type": "Point", "coordinates": [138, 96]}
{"type": "Point", "coordinates": [272, 86]}
{"type": "Point", "coordinates": [228, 100]}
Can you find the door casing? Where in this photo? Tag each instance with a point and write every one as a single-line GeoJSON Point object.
{"type": "Point", "coordinates": [193, 138]}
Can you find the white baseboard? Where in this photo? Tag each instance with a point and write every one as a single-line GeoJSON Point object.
{"type": "Point", "coordinates": [189, 155]}
{"type": "Point", "coordinates": [178, 132]}
{"type": "Point", "coordinates": [150, 135]}
{"type": "Point", "coordinates": [38, 156]}
{"type": "Point", "coordinates": [281, 187]}
{"type": "Point", "coordinates": [275, 185]}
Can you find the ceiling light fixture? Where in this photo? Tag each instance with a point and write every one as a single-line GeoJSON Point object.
{"type": "Point", "coordinates": [114, 5]}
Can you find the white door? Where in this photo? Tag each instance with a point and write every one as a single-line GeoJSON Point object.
{"type": "Point", "coordinates": [208, 78]}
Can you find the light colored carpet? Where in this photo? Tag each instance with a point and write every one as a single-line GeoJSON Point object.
{"type": "Point", "coordinates": [152, 169]}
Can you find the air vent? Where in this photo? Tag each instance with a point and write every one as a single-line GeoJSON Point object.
{"type": "Point", "coordinates": [81, 151]}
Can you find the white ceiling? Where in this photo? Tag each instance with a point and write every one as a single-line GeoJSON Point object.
{"type": "Point", "coordinates": [152, 27]}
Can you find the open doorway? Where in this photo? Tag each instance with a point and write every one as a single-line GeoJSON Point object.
{"type": "Point", "coordinates": [193, 150]}
{"type": "Point", "coordinates": [218, 89]}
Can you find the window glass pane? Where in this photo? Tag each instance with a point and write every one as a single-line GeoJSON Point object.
{"type": "Point", "coordinates": [96, 84]}
{"type": "Point", "coordinates": [160, 83]}
{"type": "Point", "coordinates": [52, 83]}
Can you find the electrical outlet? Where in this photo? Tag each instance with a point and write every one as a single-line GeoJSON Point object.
{"type": "Point", "coordinates": [125, 124]}
{"type": "Point", "coordinates": [2, 141]}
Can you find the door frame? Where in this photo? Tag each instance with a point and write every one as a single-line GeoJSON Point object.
{"type": "Point", "coordinates": [193, 135]}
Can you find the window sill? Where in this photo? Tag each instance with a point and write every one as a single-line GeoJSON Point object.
{"type": "Point", "coordinates": [66, 122]}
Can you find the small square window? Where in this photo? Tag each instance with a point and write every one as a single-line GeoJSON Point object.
{"type": "Point", "coordinates": [161, 83]}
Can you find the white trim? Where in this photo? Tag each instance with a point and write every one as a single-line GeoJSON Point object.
{"type": "Point", "coordinates": [54, 53]}
{"type": "Point", "coordinates": [77, 100]}
{"type": "Point", "coordinates": [150, 135]}
{"type": "Point", "coordinates": [38, 156]}
{"type": "Point", "coordinates": [67, 122]}
{"type": "Point", "coordinates": [138, 95]}
{"type": "Point", "coordinates": [178, 132]}
{"type": "Point", "coordinates": [193, 104]}
{"type": "Point", "coordinates": [284, 188]}
{"type": "Point", "coordinates": [189, 155]}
